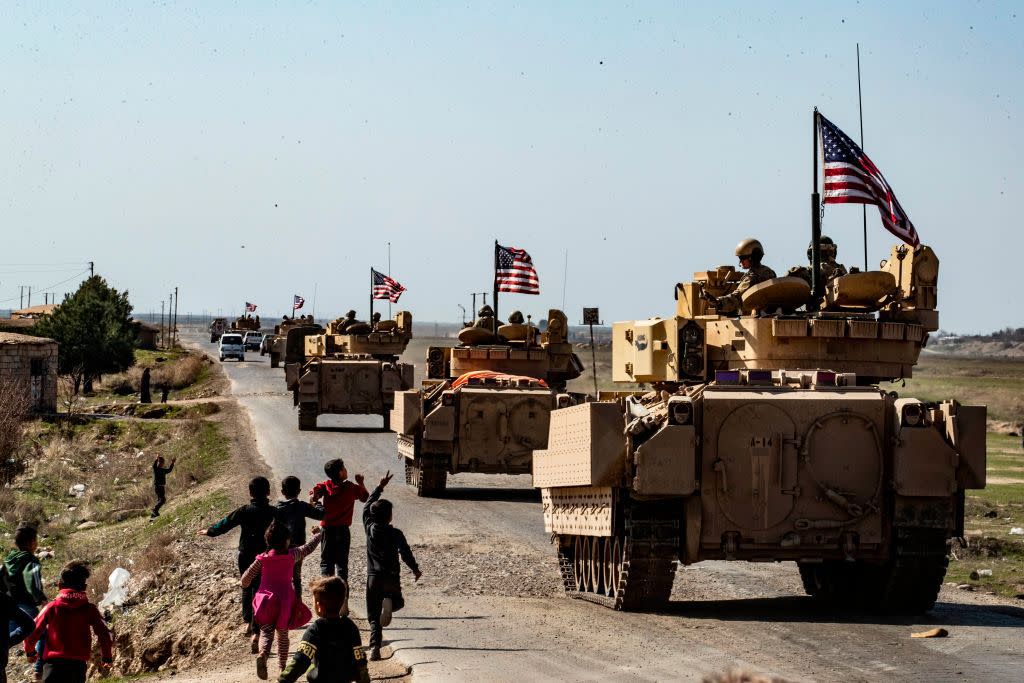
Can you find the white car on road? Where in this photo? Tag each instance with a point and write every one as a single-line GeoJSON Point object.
{"type": "Point", "coordinates": [232, 346]}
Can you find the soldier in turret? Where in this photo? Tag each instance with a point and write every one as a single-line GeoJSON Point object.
{"type": "Point", "coordinates": [750, 252]}
{"type": "Point", "coordinates": [349, 321]}
{"type": "Point", "coordinates": [829, 268]}
{"type": "Point", "coordinates": [485, 319]}
{"type": "Point", "coordinates": [375, 320]}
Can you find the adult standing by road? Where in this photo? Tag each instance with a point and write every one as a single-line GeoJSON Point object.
{"type": "Point", "coordinates": [160, 483]}
{"type": "Point", "coordinates": [144, 393]}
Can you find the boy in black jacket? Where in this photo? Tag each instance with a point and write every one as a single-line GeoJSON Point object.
{"type": "Point", "coordinates": [293, 512]}
{"type": "Point", "coordinates": [384, 545]}
{"type": "Point", "coordinates": [254, 519]}
{"type": "Point", "coordinates": [331, 644]}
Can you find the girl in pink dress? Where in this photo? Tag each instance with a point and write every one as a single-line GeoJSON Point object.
{"type": "Point", "coordinates": [276, 607]}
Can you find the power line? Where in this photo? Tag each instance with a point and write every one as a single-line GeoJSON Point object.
{"type": "Point", "coordinates": [48, 287]}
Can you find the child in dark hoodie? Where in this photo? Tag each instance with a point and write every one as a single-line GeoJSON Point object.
{"type": "Point", "coordinates": [21, 625]}
{"type": "Point", "coordinates": [384, 546]}
{"type": "Point", "coordinates": [293, 513]}
{"type": "Point", "coordinates": [254, 519]}
{"type": "Point", "coordinates": [66, 622]}
{"type": "Point", "coordinates": [24, 580]}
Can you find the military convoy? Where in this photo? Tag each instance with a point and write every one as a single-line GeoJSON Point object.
{"type": "Point", "coordinates": [485, 404]}
{"type": "Point", "coordinates": [217, 328]}
{"type": "Point", "coordinates": [765, 437]}
{"type": "Point", "coordinates": [351, 368]}
{"type": "Point", "coordinates": [277, 344]}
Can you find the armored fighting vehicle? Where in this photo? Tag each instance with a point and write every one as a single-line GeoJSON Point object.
{"type": "Point", "coordinates": [217, 328]}
{"type": "Point", "coordinates": [245, 323]}
{"type": "Point", "coordinates": [766, 438]}
{"type": "Point", "coordinates": [485, 404]}
{"type": "Point", "coordinates": [277, 344]}
{"type": "Point", "coordinates": [352, 369]}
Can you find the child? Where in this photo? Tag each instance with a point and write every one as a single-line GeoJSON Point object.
{"type": "Point", "coordinates": [339, 498]}
{"type": "Point", "coordinates": [384, 545]}
{"type": "Point", "coordinates": [160, 483]}
{"type": "Point", "coordinates": [65, 622]}
{"type": "Point", "coordinates": [254, 519]}
{"type": "Point", "coordinates": [293, 512]}
{"type": "Point", "coordinates": [276, 600]}
{"type": "Point", "coordinates": [21, 624]}
{"type": "Point", "coordinates": [24, 580]}
{"type": "Point", "coordinates": [331, 644]}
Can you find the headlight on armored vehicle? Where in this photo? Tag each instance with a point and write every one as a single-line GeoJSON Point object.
{"type": "Point", "coordinates": [913, 415]}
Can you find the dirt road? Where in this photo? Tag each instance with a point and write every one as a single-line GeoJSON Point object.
{"type": "Point", "coordinates": [489, 604]}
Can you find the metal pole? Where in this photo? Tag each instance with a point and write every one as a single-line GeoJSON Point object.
{"type": "Point", "coordinates": [29, 296]}
{"type": "Point", "coordinates": [816, 283]}
{"type": "Point", "coordinates": [389, 275]}
{"type": "Point", "coordinates": [863, 207]}
{"type": "Point", "coordinates": [593, 358]}
{"type": "Point", "coordinates": [371, 294]}
{"type": "Point", "coordinates": [495, 307]}
{"type": "Point", "coordinates": [161, 323]}
{"type": "Point", "coordinates": [174, 329]}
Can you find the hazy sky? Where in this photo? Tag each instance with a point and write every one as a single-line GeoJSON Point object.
{"type": "Point", "coordinates": [251, 151]}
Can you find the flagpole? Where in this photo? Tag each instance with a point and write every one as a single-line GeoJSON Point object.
{"type": "Point", "coordinates": [816, 283]}
{"type": "Point", "coordinates": [371, 294]}
{"type": "Point", "coordinates": [389, 275]}
{"type": "Point", "coordinates": [313, 312]}
{"type": "Point", "coordinates": [495, 330]}
{"type": "Point", "coordinates": [863, 207]}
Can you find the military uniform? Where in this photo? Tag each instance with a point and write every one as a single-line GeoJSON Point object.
{"type": "Point", "coordinates": [730, 303]}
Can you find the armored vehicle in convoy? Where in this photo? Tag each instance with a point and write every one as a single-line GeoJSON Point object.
{"type": "Point", "coordinates": [767, 437]}
{"type": "Point", "coordinates": [278, 340]}
{"type": "Point", "coordinates": [352, 368]}
{"type": "Point", "coordinates": [245, 323]}
{"type": "Point", "coordinates": [217, 328]}
{"type": "Point", "coordinates": [485, 404]}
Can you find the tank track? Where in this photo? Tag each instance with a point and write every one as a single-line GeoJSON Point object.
{"type": "Point", "coordinates": [307, 416]}
{"type": "Point", "coordinates": [908, 583]}
{"type": "Point", "coordinates": [429, 474]}
{"type": "Point", "coordinates": [650, 548]}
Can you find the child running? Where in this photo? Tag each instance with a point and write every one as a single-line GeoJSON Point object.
{"type": "Point", "coordinates": [293, 512]}
{"type": "Point", "coordinates": [339, 496]}
{"type": "Point", "coordinates": [254, 519]}
{"type": "Point", "coordinates": [384, 545]}
{"type": "Point", "coordinates": [25, 582]}
{"type": "Point", "coordinates": [331, 644]}
{"type": "Point", "coordinates": [276, 605]}
{"type": "Point", "coordinates": [65, 623]}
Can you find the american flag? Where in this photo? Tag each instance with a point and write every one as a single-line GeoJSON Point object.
{"type": "Point", "coordinates": [250, 308]}
{"type": "Point", "coordinates": [385, 288]}
{"type": "Point", "coordinates": [297, 302]}
{"type": "Point", "coordinates": [514, 271]}
{"type": "Point", "coordinates": [852, 178]}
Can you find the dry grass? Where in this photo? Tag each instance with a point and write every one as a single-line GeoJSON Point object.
{"type": "Point", "coordinates": [14, 405]}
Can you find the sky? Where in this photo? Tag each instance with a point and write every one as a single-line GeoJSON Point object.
{"type": "Point", "coordinates": [250, 151]}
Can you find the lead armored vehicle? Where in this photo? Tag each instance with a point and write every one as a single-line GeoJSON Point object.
{"type": "Point", "coordinates": [245, 323]}
{"type": "Point", "coordinates": [767, 438]}
{"type": "Point", "coordinates": [485, 404]}
{"type": "Point", "coordinates": [352, 369]}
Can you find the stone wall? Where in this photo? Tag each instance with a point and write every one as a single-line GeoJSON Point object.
{"type": "Point", "coordinates": [31, 362]}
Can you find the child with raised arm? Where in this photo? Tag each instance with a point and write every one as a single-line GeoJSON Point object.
{"type": "Point", "coordinates": [293, 513]}
{"type": "Point", "coordinates": [384, 546]}
{"type": "Point", "coordinates": [276, 606]}
{"type": "Point", "coordinates": [331, 644]}
{"type": "Point", "coordinates": [339, 498]}
{"type": "Point", "coordinates": [66, 623]}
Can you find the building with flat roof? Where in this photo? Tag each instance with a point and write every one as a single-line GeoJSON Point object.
{"type": "Point", "coordinates": [31, 364]}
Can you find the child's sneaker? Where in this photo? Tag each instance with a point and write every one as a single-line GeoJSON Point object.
{"type": "Point", "coordinates": [255, 644]}
{"type": "Point", "coordinates": [261, 667]}
{"type": "Point", "coordinates": [374, 655]}
{"type": "Point", "coordinates": [385, 612]}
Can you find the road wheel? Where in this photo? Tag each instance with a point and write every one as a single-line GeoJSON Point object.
{"type": "Point", "coordinates": [307, 417]}
{"type": "Point", "coordinates": [222, 359]}
{"type": "Point", "coordinates": [909, 583]}
{"type": "Point", "coordinates": [386, 416]}
{"type": "Point", "coordinates": [429, 474]}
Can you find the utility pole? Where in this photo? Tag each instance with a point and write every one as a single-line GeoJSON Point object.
{"type": "Point", "coordinates": [161, 323]}
{"type": "Point", "coordinates": [92, 270]}
{"type": "Point", "coordinates": [174, 333]}
{"type": "Point", "coordinates": [21, 297]}
{"type": "Point", "coordinates": [30, 296]}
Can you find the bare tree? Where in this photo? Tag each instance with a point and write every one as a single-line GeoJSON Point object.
{"type": "Point", "coordinates": [15, 401]}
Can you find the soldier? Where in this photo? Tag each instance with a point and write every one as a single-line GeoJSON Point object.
{"type": "Point", "coordinates": [374, 320]}
{"type": "Point", "coordinates": [829, 269]}
{"type": "Point", "coordinates": [516, 318]}
{"type": "Point", "coordinates": [485, 319]}
{"type": "Point", "coordinates": [750, 253]}
{"type": "Point", "coordinates": [349, 321]}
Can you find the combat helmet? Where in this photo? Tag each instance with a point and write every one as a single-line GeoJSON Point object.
{"type": "Point", "coordinates": [828, 248]}
{"type": "Point", "coordinates": [750, 248]}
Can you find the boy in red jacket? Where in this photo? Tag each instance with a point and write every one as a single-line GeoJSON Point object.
{"type": "Point", "coordinates": [339, 496]}
{"type": "Point", "coordinates": [66, 622]}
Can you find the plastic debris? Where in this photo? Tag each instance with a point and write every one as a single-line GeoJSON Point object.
{"type": "Point", "coordinates": [978, 573]}
{"type": "Point", "coordinates": [117, 589]}
{"type": "Point", "coordinates": [78, 490]}
{"type": "Point", "coordinates": [1017, 531]}
{"type": "Point", "coordinates": [931, 633]}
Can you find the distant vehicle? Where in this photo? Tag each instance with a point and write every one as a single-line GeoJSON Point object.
{"type": "Point", "coordinates": [253, 341]}
{"type": "Point", "coordinates": [217, 328]}
{"type": "Point", "coordinates": [232, 346]}
{"type": "Point", "coordinates": [265, 343]}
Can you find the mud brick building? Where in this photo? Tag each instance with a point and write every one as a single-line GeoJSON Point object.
{"type": "Point", "coordinates": [31, 362]}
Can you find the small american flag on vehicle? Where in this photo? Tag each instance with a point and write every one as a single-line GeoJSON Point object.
{"type": "Point", "coordinates": [297, 302]}
{"type": "Point", "coordinates": [385, 288]}
{"type": "Point", "coordinates": [250, 308]}
{"type": "Point", "coordinates": [514, 271]}
{"type": "Point", "coordinates": [852, 178]}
